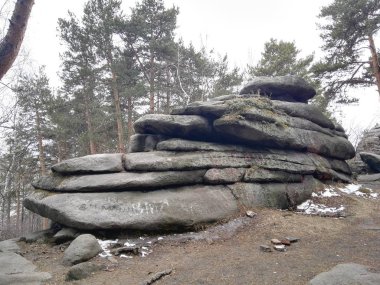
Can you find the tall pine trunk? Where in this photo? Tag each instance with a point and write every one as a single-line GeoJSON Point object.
{"type": "Point", "coordinates": [119, 122]}
{"type": "Point", "coordinates": [130, 118]}
{"type": "Point", "coordinates": [375, 62]}
{"type": "Point", "coordinates": [88, 120]}
{"type": "Point", "coordinates": [41, 148]}
{"type": "Point", "coordinates": [151, 85]}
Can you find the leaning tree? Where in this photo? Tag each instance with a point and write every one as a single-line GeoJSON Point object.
{"type": "Point", "coordinates": [348, 29]}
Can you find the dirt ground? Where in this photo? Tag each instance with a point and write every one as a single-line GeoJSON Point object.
{"type": "Point", "coordinates": [237, 259]}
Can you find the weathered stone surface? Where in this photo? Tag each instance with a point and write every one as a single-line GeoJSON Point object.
{"type": "Point", "coordinates": [9, 245]}
{"type": "Point", "coordinates": [283, 137]}
{"type": "Point", "coordinates": [290, 161]}
{"type": "Point", "coordinates": [224, 175]}
{"type": "Point", "coordinates": [208, 109]}
{"type": "Point", "coordinates": [82, 270]}
{"type": "Point", "coordinates": [304, 111]}
{"type": "Point", "coordinates": [368, 177]}
{"type": "Point", "coordinates": [81, 249]}
{"type": "Point", "coordinates": [96, 163]}
{"type": "Point", "coordinates": [372, 160]}
{"type": "Point", "coordinates": [144, 142]}
{"type": "Point", "coordinates": [164, 209]}
{"type": "Point", "coordinates": [285, 88]}
{"type": "Point", "coordinates": [274, 195]}
{"type": "Point", "coordinates": [119, 181]}
{"type": "Point", "coordinates": [256, 174]}
{"type": "Point", "coordinates": [17, 270]}
{"type": "Point", "coordinates": [370, 142]}
{"type": "Point", "coordinates": [190, 145]}
{"type": "Point", "coordinates": [174, 126]}
{"type": "Point", "coordinates": [347, 274]}
{"type": "Point", "coordinates": [64, 235]}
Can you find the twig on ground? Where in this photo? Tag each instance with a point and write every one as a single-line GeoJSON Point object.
{"type": "Point", "coordinates": [157, 276]}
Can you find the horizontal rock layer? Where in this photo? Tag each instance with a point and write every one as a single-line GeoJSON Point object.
{"type": "Point", "coordinates": [158, 210]}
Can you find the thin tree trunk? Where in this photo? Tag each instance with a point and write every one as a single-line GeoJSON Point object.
{"type": "Point", "coordinates": [130, 118]}
{"type": "Point", "coordinates": [41, 148]}
{"type": "Point", "coordinates": [119, 122]}
{"type": "Point", "coordinates": [88, 120]}
{"type": "Point", "coordinates": [10, 45]}
{"type": "Point", "coordinates": [151, 86]}
{"type": "Point", "coordinates": [375, 62]}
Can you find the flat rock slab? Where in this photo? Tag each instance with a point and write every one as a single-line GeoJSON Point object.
{"type": "Point", "coordinates": [173, 126]}
{"type": "Point", "coordinates": [369, 177]}
{"type": "Point", "coordinates": [157, 210]}
{"type": "Point", "coordinates": [347, 274]}
{"type": "Point", "coordinates": [285, 88]}
{"type": "Point", "coordinates": [372, 160]}
{"type": "Point", "coordinates": [9, 245]}
{"type": "Point", "coordinates": [275, 195]}
{"type": "Point", "coordinates": [284, 137]}
{"type": "Point", "coordinates": [291, 162]}
{"type": "Point", "coordinates": [96, 163]}
{"type": "Point", "coordinates": [118, 181]}
{"type": "Point", "coordinates": [15, 269]}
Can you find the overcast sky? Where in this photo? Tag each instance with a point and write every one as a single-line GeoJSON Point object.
{"type": "Point", "coordinates": [237, 28]}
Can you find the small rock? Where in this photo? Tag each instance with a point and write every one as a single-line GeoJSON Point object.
{"type": "Point", "coordinates": [134, 250]}
{"type": "Point", "coordinates": [265, 248]}
{"type": "Point", "coordinates": [40, 236]}
{"type": "Point", "coordinates": [285, 242]}
{"type": "Point", "coordinates": [81, 249]}
{"type": "Point", "coordinates": [64, 235]}
{"type": "Point", "coordinates": [250, 214]}
{"type": "Point", "coordinates": [82, 271]}
{"type": "Point", "coordinates": [292, 239]}
{"type": "Point", "coordinates": [280, 247]}
{"type": "Point", "coordinates": [275, 241]}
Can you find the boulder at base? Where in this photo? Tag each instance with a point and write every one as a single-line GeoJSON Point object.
{"type": "Point", "coordinates": [157, 210]}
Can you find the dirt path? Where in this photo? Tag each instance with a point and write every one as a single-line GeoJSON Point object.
{"type": "Point", "coordinates": [324, 243]}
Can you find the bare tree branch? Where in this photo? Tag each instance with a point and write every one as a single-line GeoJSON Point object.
{"type": "Point", "coordinates": [11, 43]}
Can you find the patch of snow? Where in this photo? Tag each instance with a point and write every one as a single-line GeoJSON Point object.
{"type": "Point", "coordinates": [105, 244]}
{"type": "Point", "coordinates": [160, 238]}
{"type": "Point", "coordinates": [329, 192]}
{"type": "Point", "coordinates": [311, 208]}
{"type": "Point", "coordinates": [129, 244]}
{"type": "Point", "coordinates": [125, 256]}
{"type": "Point", "coordinates": [351, 188]}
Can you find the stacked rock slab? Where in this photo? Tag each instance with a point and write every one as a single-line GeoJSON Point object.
{"type": "Point", "coordinates": [203, 163]}
{"type": "Point", "coordinates": [369, 144]}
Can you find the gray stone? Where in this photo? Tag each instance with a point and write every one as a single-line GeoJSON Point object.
{"type": "Point", "coordinates": [39, 236]}
{"type": "Point", "coordinates": [280, 247]}
{"type": "Point", "coordinates": [265, 248]}
{"type": "Point", "coordinates": [9, 245]}
{"type": "Point", "coordinates": [289, 161]}
{"type": "Point", "coordinates": [143, 142]}
{"type": "Point", "coordinates": [347, 274]}
{"type": "Point", "coordinates": [372, 160]}
{"type": "Point", "coordinates": [191, 145]}
{"type": "Point", "coordinates": [82, 270]}
{"type": "Point", "coordinates": [304, 111]}
{"type": "Point", "coordinates": [173, 126]}
{"type": "Point", "coordinates": [208, 109]}
{"type": "Point", "coordinates": [370, 142]}
{"type": "Point", "coordinates": [118, 181]}
{"type": "Point", "coordinates": [182, 207]}
{"type": "Point", "coordinates": [16, 270]}
{"type": "Point", "coordinates": [64, 235]}
{"type": "Point", "coordinates": [224, 175]}
{"type": "Point", "coordinates": [256, 174]}
{"type": "Point", "coordinates": [81, 249]}
{"type": "Point", "coordinates": [275, 195]}
{"type": "Point", "coordinates": [95, 163]}
{"type": "Point", "coordinates": [284, 137]}
{"type": "Point", "coordinates": [368, 177]}
{"type": "Point", "coordinates": [284, 88]}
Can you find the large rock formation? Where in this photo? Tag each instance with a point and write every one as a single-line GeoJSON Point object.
{"type": "Point", "coordinates": [370, 143]}
{"type": "Point", "coordinates": [203, 163]}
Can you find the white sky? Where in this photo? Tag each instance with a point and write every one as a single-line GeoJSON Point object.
{"type": "Point", "coordinates": [239, 28]}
